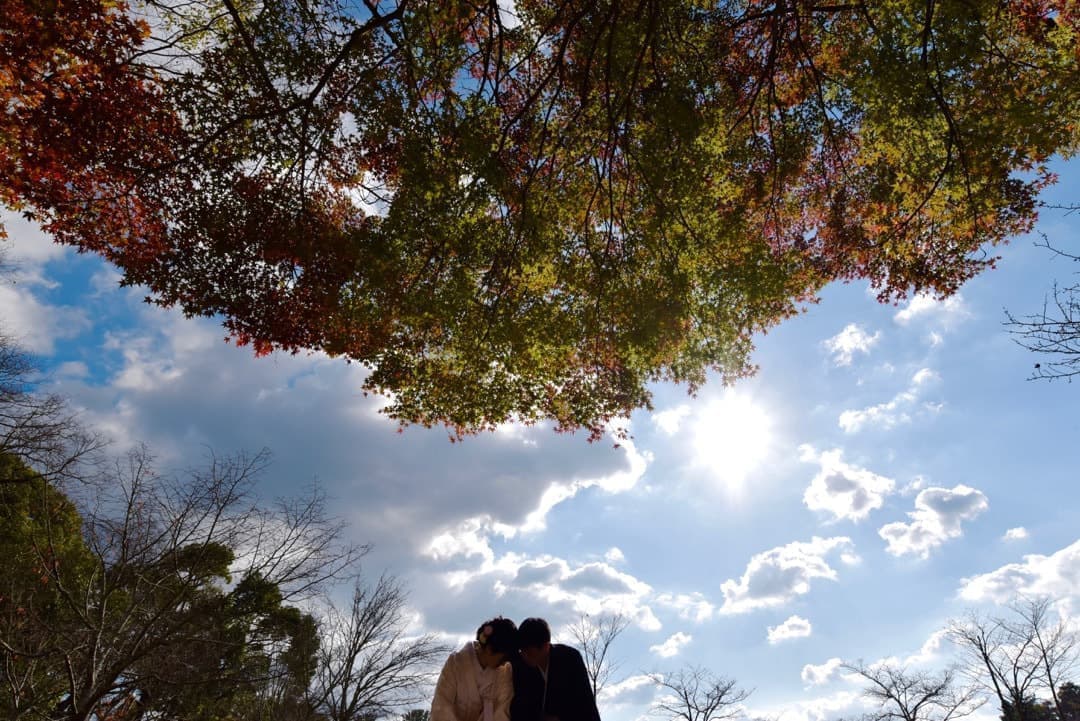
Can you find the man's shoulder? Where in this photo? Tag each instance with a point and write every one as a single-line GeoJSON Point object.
{"type": "Point", "coordinates": [561, 650]}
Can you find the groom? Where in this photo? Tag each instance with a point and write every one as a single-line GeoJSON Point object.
{"type": "Point", "coordinates": [550, 680]}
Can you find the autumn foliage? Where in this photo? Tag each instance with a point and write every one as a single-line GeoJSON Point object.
{"type": "Point", "coordinates": [533, 213]}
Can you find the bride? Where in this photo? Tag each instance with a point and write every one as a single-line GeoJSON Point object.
{"type": "Point", "coordinates": [476, 682]}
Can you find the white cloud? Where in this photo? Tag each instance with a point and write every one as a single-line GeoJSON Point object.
{"type": "Point", "coordinates": [929, 653]}
{"type": "Point", "coordinates": [822, 673]}
{"type": "Point", "coordinates": [947, 312]}
{"type": "Point", "coordinates": [793, 627]}
{"type": "Point", "coordinates": [522, 582]}
{"type": "Point", "coordinates": [637, 690]}
{"type": "Point", "coordinates": [618, 482]}
{"type": "Point", "coordinates": [834, 706]}
{"type": "Point", "coordinates": [72, 369]}
{"type": "Point", "coordinates": [1054, 576]}
{"type": "Point", "coordinates": [914, 486]}
{"type": "Point", "coordinates": [614, 555]}
{"type": "Point", "coordinates": [672, 646]}
{"type": "Point", "coordinates": [690, 606]}
{"type": "Point", "coordinates": [849, 558]}
{"type": "Point", "coordinates": [845, 491]}
{"type": "Point", "coordinates": [28, 246]}
{"type": "Point", "coordinates": [938, 515]}
{"type": "Point", "coordinates": [776, 576]}
{"type": "Point", "coordinates": [34, 325]}
{"type": "Point", "coordinates": [924, 376]}
{"type": "Point", "coordinates": [468, 539]}
{"type": "Point", "coordinates": [670, 420]}
{"type": "Point", "coordinates": [900, 410]}
{"type": "Point", "coordinates": [851, 340]}
{"type": "Point", "coordinates": [1015, 534]}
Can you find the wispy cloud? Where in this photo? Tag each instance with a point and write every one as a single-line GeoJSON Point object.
{"type": "Point", "coordinates": [690, 606]}
{"type": "Point", "coordinates": [851, 340]}
{"type": "Point", "coordinates": [672, 646]}
{"type": "Point", "coordinates": [899, 410]}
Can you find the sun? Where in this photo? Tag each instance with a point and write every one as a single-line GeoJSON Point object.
{"type": "Point", "coordinates": [730, 438]}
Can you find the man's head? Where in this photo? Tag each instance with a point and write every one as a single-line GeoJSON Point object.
{"type": "Point", "coordinates": [534, 641]}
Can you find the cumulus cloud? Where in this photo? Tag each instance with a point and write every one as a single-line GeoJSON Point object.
{"type": "Point", "coordinates": [822, 673]}
{"type": "Point", "coordinates": [776, 576]}
{"type": "Point", "coordinates": [938, 516]}
{"type": "Point", "coordinates": [1015, 534]}
{"type": "Point", "coordinates": [793, 627]}
{"type": "Point", "coordinates": [851, 340]}
{"type": "Point", "coordinates": [34, 325]}
{"type": "Point", "coordinates": [930, 653]}
{"type": "Point", "coordinates": [1055, 576]}
{"type": "Point", "coordinates": [29, 248]}
{"type": "Point", "coordinates": [834, 706]}
{"type": "Point", "coordinates": [614, 555]}
{"type": "Point", "coordinates": [468, 539]}
{"type": "Point", "coordinates": [672, 646]}
{"type": "Point", "coordinates": [922, 306]}
{"type": "Point", "coordinates": [567, 589]}
{"type": "Point", "coordinates": [901, 409]}
{"type": "Point", "coordinates": [670, 420]}
{"type": "Point", "coordinates": [845, 491]}
{"type": "Point", "coordinates": [690, 606]}
{"type": "Point", "coordinates": [636, 691]}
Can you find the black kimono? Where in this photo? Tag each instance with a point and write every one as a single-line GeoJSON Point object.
{"type": "Point", "coordinates": [567, 695]}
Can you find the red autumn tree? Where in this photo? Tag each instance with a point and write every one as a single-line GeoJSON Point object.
{"type": "Point", "coordinates": [82, 124]}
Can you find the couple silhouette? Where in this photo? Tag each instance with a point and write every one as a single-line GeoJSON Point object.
{"type": "Point", "coordinates": [512, 673]}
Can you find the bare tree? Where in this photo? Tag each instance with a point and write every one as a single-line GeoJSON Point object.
{"type": "Point", "coordinates": [903, 695]}
{"type": "Point", "coordinates": [594, 636]}
{"type": "Point", "coordinates": [1054, 331]}
{"type": "Point", "coordinates": [1055, 645]}
{"type": "Point", "coordinates": [1002, 657]}
{"type": "Point", "coordinates": [41, 428]}
{"type": "Point", "coordinates": [696, 694]}
{"type": "Point", "coordinates": [368, 665]}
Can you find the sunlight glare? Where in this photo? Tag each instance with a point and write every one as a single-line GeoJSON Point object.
{"type": "Point", "coordinates": [730, 437]}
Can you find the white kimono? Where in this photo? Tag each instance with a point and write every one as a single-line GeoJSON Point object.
{"type": "Point", "coordinates": [466, 691]}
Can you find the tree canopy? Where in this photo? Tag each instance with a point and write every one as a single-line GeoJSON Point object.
{"type": "Point", "coordinates": [532, 210]}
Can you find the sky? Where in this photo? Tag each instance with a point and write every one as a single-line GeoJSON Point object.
{"type": "Point", "coordinates": [888, 468]}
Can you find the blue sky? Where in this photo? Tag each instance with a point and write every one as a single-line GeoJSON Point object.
{"type": "Point", "coordinates": [888, 468]}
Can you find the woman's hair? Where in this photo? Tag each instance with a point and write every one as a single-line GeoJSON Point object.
{"type": "Point", "coordinates": [498, 635]}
